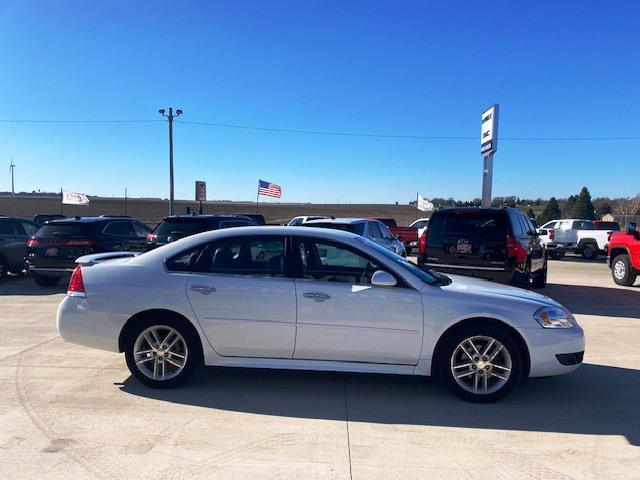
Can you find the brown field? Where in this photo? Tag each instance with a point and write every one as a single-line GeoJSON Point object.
{"type": "Point", "coordinates": [152, 211]}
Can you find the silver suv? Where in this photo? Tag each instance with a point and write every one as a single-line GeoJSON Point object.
{"type": "Point", "coordinates": [372, 229]}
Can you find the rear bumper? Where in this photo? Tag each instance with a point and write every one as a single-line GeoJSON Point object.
{"type": "Point", "coordinates": [78, 323]}
{"type": "Point", "coordinates": [51, 271]}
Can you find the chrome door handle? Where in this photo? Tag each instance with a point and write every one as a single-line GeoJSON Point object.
{"type": "Point", "coordinates": [204, 290]}
{"type": "Point", "coordinates": [317, 296]}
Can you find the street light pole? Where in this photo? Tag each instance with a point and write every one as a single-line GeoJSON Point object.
{"type": "Point", "coordinates": [170, 118]}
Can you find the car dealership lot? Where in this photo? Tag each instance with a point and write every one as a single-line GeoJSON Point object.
{"type": "Point", "coordinates": [73, 412]}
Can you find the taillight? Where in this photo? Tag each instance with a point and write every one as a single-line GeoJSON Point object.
{"type": "Point", "coordinates": [422, 245]}
{"type": "Point", "coordinates": [32, 242]}
{"type": "Point", "coordinates": [80, 243]}
{"type": "Point", "coordinates": [76, 285]}
{"type": "Point", "coordinates": [552, 234]}
{"type": "Point", "coordinates": [516, 250]}
{"type": "Point", "coordinates": [151, 237]}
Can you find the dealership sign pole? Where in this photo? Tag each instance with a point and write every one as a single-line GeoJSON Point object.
{"type": "Point", "coordinates": [488, 146]}
{"type": "Point", "coordinates": [201, 193]}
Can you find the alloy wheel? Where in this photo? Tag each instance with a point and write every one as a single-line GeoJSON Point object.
{"type": "Point", "coordinates": [160, 352]}
{"type": "Point", "coordinates": [481, 365]}
{"type": "Point", "coordinates": [620, 269]}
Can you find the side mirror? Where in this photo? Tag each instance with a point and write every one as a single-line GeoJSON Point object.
{"type": "Point", "coordinates": [631, 228]}
{"type": "Point", "coordinates": [380, 278]}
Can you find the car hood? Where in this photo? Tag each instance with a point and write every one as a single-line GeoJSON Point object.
{"type": "Point", "coordinates": [493, 289]}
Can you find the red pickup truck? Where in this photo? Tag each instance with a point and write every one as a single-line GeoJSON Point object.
{"type": "Point", "coordinates": [407, 235]}
{"type": "Point", "coordinates": [624, 255]}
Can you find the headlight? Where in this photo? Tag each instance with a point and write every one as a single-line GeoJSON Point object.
{"type": "Point", "coordinates": [552, 317]}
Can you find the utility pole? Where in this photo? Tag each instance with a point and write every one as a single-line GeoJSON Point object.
{"type": "Point", "coordinates": [170, 118]}
{"type": "Point", "coordinates": [12, 167]}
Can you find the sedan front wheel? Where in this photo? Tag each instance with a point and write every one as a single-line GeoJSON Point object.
{"type": "Point", "coordinates": [480, 363]}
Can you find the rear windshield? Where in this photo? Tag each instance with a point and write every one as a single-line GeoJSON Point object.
{"type": "Point", "coordinates": [467, 224]}
{"type": "Point", "coordinates": [357, 228]}
{"type": "Point", "coordinates": [182, 225]}
{"type": "Point", "coordinates": [65, 230]}
{"type": "Point", "coordinates": [614, 226]}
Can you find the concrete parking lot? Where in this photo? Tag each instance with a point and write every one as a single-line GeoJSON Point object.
{"type": "Point", "coordinates": [72, 412]}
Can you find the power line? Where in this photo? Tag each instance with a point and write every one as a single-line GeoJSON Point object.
{"type": "Point", "coordinates": [337, 133]}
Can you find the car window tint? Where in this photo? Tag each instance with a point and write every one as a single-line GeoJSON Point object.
{"type": "Point", "coordinates": [386, 234]}
{"type": "Point", "coordinates": [233, 223]}
{"type": "Point", "coordinates": [141, 230]}
{"type": "Point", "coordinates": [466, 224]}
{"type": "Point", "coordinates": [6, 227]}
{"type": "Point", "coordinates": [329, 262]}
{"type": "Point", "coordinates": [550, 225]}
{"type": "Point", "coordinates": [121, 229]}
{"type": "Point", "coordinates": [183, 226]}
{"type": "Point", "coordinates": [30, 228]}
{"type": "Point", "coordinates": [374, 230]}
{"type": "Point", "coordinates": [295, 221]}
{"type": "Point", "coordinates": [75, 229]}
{"type": "Point", "coordinates": [586, 225]}
{"type": "Point", "coordinates": [248, 256]}
{"type": "Point", "coordinates": [421, 224]}
{"type": "Point", "coordinates": [185, 261]}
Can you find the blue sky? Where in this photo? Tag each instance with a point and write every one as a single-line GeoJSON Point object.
{"type": "Point", "coordinates": [558, 69]}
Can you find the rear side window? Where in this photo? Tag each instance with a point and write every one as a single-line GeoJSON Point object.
{"type": "Point", "coordinates": [374, 230]}
{"type": "Point", "coordinates": [188, 227]}
{"type": "Point", "coordinates": [262, 256]}
{"type": "Point", "coordinates": [65, 229]}
{"type": "Point", "coordinates": [120, 229]}
{"type": "Point", "coordinates": [613, 226]}
{"type": "Point", "coordinates": [583, 225]}
{"type": "Point", "coordinates": [185, 261]}
{"type": "Point", "coordinates": [467, 224]}
{"type": "Point", "coordinates": [7, 227]}
{"type": "Point", "coordinates": [141, 230]}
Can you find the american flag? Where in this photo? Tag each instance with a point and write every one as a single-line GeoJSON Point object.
{"type": "Point", "coordinates": [269, 189]}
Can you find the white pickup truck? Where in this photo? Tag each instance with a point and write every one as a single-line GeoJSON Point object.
{"type": "Point", "coordinates": [579, 236]}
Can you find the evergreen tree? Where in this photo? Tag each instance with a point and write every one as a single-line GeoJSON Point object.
{"type": "Point", "coordinates": [551, 211]}
{"type": "Point", "coordinates": [583, 207]}
{"type": "Point", "coordinates": [531, 213]}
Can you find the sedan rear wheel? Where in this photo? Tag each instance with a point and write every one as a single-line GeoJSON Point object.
{"type": "Point", "coordinates": [480, 363]}
{"type": "Point", "coordinates": [162, 354]}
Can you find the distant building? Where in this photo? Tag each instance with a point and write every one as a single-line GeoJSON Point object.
{"type": "Point", "coordinates": [608, 218]}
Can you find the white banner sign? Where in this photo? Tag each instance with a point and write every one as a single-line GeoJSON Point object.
{"type": "Point", "coordinates": [71, 198]}
{"type": "Point", "coordinates": [424, 204]}
{"type": "Point", "coordinates": [489, 131]}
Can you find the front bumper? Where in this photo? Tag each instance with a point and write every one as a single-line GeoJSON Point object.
{"type": "Point", "coordinates": [546, 344]}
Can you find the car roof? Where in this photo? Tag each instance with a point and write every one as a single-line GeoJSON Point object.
{"type": "Point", "coordinates": [336, 221]}
{"type": "Point", "coordinates": [205, 216]}
{"type": "Point", "coordinates": [60, 221]}
{"type": "Point", "coordinates": [477, 209]}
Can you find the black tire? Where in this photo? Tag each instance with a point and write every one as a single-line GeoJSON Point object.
{"type": "Point", "coordinates": [590, 251]}
{"type": "Point", "coordinates": [409, 250]}
{"type": "Point", "coordinates": [193, 350]}
{"type": "Point", "coordinates": [448, 348]}
{"type": "Point", "coordinates": [560, 254]}
{"type": "Point", "coordinates": [540, 278]}
{"type": "Point", "coordinates": [622, 271]}
{"type": "Point", "coordinates": [45, 280]}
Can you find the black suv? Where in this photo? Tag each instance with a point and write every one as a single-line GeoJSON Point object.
{"type": "Point", "coordinates": [52, 251]}
{"type": "Point", "coordinates": [14, 234]}
{"type": "Point", "coordinates": [178, 226]}
{"type": "Point", "coordinates": [498, 244]}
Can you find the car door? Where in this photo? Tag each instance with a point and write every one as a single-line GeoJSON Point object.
{"type": "Point", "coordinates": [343, 317]}
{"type": "Point", "coordinates": [242, 298]}
{"type": "Point", "coordinates": [13, 241]}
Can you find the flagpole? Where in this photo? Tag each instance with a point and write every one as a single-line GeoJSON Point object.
{"type": "Point", "coordinates": [257, 195]}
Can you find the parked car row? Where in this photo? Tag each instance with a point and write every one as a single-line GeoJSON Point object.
{"type": "Point", "coordinates": [585, 237]}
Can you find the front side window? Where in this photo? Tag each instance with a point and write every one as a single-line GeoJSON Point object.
{"type": "Point", "coordinates": [330, 262]}
{"type": "Point", "coordinates": [141, 230]}
{"type": "Point", "coordinates": [248, 256]}
{"type": "Point", "coordinates": [374, 230]}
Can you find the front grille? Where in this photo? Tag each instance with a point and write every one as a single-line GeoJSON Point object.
{"type": "Point", "coordinates": [570, 358]}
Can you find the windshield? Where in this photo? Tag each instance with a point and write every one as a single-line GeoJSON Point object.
{"type": "Point", "coordinates": [403, 262]}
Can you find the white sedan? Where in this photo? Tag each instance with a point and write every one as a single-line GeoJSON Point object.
{"type": "Point", "coordinates": [312, 299]}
